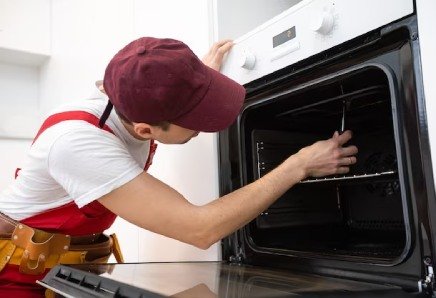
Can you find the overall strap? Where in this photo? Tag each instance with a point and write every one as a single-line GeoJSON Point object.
{"type": "Point", "coordinates": [70, 115]}
{"type": "Point", "coordinates": [64, 116]}
{"type": "Point", "coordinates": [91, 119]}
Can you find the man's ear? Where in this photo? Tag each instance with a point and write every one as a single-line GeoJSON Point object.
{"type": "Point", "coordinates": [143, 130]}
{"type": "Point", "coordinates": [99, 85]}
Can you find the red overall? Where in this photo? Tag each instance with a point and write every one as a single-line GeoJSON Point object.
{"type": "Point", "coordinates": [67, 219]}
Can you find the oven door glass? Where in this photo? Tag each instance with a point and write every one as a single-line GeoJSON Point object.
{"type": "Point", "coordinates": [206, 280]}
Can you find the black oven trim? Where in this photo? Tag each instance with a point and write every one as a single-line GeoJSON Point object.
{"type": "Point", "coordinates": [415, 268]}
{"type": "Point", "coordinates": [402, 177]}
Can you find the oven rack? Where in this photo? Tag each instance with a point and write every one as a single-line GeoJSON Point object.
{"type": "Point", "coordinates": [343, 97]}
{"type": "Point", "coordinates": [387, 174]}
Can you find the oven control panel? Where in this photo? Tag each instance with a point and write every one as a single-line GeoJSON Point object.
{"type": "Point", "coordinates": [306, 29]}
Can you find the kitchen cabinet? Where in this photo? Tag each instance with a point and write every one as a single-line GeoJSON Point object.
{"type": "Point", "coordinates": [25, 31]}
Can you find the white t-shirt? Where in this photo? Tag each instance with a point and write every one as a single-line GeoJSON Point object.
{"type": "Point", "coordinates": [74, 161]}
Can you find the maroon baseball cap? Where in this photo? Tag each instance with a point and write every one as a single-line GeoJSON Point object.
{"type": "Point", "coordinates": [153, 80]}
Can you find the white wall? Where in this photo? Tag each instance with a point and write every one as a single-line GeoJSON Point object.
{"type": "Point", "coordinates": [24, 42]}
{"type": "Point", "coordinates": [85, 35]}
{"type": "Point", "coordinates": [12, 154]}
{"type": "Point", "coordinates": [19, 114]}
{"type": "Point", "coordinates": [19, 104]}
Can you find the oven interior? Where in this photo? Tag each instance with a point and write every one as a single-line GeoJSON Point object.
{"type": "Point", "coordinates": [354, 216]}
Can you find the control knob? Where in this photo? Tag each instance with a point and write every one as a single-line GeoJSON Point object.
{"type": "Point", "coordinates": [324, 23]}
{"type": "Point", "coordinates": [247, 60]}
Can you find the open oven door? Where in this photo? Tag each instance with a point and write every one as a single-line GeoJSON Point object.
{"type": "Point", "coordinates": [205, 280]}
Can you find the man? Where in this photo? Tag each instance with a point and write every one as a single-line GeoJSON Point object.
{"type": "Point", "coordinates": [88, 162]}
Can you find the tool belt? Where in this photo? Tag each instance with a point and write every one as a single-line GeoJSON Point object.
{"type": "Point", "coordinates": [34, 250]}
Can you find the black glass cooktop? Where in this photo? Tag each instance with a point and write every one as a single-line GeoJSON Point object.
{"type": "Point", "coordinates": [203, 279]}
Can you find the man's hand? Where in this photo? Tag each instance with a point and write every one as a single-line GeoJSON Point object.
{"type": "Point", "coordinates": [214, 57]}
{"type": "Point", "coordinates": [329, 157]}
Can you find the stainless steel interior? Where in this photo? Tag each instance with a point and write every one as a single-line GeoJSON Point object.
{"type": "Point", "coordinates": [358, 215]}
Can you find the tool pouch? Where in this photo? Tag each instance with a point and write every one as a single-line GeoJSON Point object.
{"type": "Point", "coordinates": [37, 247]}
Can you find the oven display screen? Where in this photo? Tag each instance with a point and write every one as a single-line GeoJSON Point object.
{"type": "Point", "coordinates": [283, 37]}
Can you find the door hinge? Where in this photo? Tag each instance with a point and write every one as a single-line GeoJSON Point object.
{"type": "Point", "coordinates": [237, 258]}
{"type": "Point", "coordinates": [426, 285]}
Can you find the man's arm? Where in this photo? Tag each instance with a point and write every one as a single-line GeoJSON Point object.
{"type": "Point", "coordinates": [151, 204]}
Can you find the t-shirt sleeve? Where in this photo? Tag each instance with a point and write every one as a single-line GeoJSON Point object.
{"type": "Point", "coordinates": [90, 163]}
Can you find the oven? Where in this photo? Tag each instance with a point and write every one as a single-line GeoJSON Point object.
{"type": "Point", "coordinates": [321, 67]}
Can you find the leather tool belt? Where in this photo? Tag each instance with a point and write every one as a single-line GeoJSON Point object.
{"type": "Point", "coordinates": [34, 250]}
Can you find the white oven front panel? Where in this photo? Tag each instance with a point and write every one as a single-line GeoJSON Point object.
{"type": "Point", "coordinates": [308, 28]}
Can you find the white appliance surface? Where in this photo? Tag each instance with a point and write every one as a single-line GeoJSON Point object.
{"type": "Point", "coordinates": [426, 12]}
{"type": "Point", "coordinates": [308, 28]}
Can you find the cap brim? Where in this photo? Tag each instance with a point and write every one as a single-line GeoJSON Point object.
{"type": "Point", "coordinates": [219, 108]}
